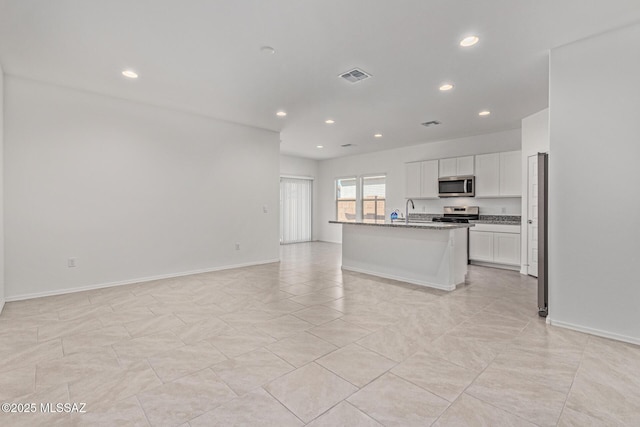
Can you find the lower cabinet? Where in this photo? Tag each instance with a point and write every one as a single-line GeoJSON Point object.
{"type": "Point", "coordinates": [495, 244]}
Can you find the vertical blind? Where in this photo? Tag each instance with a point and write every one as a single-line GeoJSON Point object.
{"type": "Point", "coordinates": [295, 210]}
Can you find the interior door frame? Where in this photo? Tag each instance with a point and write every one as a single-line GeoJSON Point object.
{"type": "Point", "coordinates": [528, 218]}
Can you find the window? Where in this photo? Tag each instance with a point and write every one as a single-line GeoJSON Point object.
{"type": "Point", "coordinates": [373, 198]}
{"type": "Point", "coordinates": [346, 199]}
{"type": "Point", "coordinates": [366, 201]}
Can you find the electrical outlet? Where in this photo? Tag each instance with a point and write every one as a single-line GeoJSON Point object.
{"type": "Point", "coordinates": [265, 209]}
{"type": "Point", "coordinates": [71, 262]}
{"type": "Point", "coordinates": [237, 246]}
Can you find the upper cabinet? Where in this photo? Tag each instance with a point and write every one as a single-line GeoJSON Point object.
{"type": "Point", "coordinates": [498, 174]}
{"type": "Point", "coordinates": [488, 175]}
{"type": "Point", "coordinates": [413, 181]}
{"type": "Point", "coordinates": [511, 173]}
{"type": "Point", "coordinates": [429, 179]}
{"type": "Point", "coordinates": [456, 166]}
{"type": "Point", "coordinates": [422, 180]}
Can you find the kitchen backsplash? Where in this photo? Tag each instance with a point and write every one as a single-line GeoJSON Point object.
{"type": "Point", "coordinates": [496, 206]}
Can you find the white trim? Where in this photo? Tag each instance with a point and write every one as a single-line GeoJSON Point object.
{"type": "Point", "coordinates": [401, 279]}
{"type": "Point", "coordinates": [597, 332]}
{"type": "Point", "coordinates": [1, 305]}
{"type": "Point", "coordinates": [138, 280]}
{"type": "Point", "coordinates": [308, 178]}
{"type": "Point", "coordinates": [496, 265]}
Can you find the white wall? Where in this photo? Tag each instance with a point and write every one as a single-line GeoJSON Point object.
{"type": "Point", "coordinates": [298, 166]}
{"type": "Point", "coordinates": [131, 190]}
{"type": "Point", "coordinates": [392, 163]}
{"type": "Point", "coordinates": [535, 139]}
{"type": "Point", "coordinates": [594, 238]}
{"type": "Point", "coordinates": [2, 286]}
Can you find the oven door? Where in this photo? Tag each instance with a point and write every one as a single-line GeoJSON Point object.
{"type": "Point", "coordinates": [456, 186]}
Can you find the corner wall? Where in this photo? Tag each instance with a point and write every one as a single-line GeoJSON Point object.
{"type": "Point", "coordinates": [594, 243]}
{"type": "Point", "coordinates": [131, 191]}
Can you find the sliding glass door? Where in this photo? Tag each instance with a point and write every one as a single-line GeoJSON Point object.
{"type": "Point", "coordinates": [295, 210]}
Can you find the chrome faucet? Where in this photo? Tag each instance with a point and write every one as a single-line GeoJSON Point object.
{"type": "Point", "coordinates": [406, 220]}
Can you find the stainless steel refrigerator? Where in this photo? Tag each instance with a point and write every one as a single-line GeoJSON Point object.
{"type": "Point", "coordinates": [543, 267]}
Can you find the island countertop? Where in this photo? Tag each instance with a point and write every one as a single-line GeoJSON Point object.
{"type": "Point", "coordinates": [401, 224]}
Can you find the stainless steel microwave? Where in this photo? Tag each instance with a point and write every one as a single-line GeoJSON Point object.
{"type": "Point", "coordinates": [457, 186]}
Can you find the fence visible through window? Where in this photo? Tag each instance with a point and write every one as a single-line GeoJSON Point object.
{"type": "Point", "coordinates": [373, 198]}
{"type": "Point", "coordinates": [346, 195]}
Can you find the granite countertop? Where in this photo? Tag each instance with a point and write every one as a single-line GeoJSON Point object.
{"type": "Point", "coordinates": [498, 219]}
{"type": "Point", "coordinates": [401, 224]}
{"type": "Point", "coordinates": [484, 219]}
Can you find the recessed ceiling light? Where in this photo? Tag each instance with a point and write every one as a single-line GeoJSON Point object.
{"type": "Point", "coordinates": [130, 74]}
{"type": "Point", "coordinates": [329, 121]}
{"type": "Point", "coordinates": [445, 87]}
{"type": "Point", "coordinates": [377, 135]}
{"type": "Point", "coordinates": [281, 113]}
{"type": "Point", "coordinates": [484, 113]}
{"type": "Point", "coordinates": [268, 50]}
{"type": "Point", "coordinates": [319, 146]}
{"type": "Point", "coordinates": [469, 41]}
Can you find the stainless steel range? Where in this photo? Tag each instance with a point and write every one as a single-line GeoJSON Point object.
{"type": "Point", "coordinates": [459, 214]}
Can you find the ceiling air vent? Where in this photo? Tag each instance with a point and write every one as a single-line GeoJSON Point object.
{"type": "Point", "coordinates": [355, 75]}
{"type": "Point", "coordinates": [347, 145]}
{"type": "Point", "coordinates": [431, 123]}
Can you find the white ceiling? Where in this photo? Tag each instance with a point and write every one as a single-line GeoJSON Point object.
{"type": "Point", "coordinates": [204, 56]}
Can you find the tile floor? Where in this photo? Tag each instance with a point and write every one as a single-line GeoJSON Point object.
{"type": "Point", "coordinates": [302, 343]}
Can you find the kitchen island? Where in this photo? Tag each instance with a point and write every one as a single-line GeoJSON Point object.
{"type": "Point", "coordinates": [426, 254]}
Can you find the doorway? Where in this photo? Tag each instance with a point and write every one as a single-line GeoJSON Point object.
{"type": "Point", "coordinates": [295, 209]}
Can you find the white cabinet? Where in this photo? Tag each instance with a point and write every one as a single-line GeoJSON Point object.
{"type": "Point", "coordinates": [448, 167]}
{"type": "Point", "coordinates": [511, 173]}
{"type": "Point", "coordinates": [480, 246]}
{"type": "Point", "coordinates": [413, 180]}
{"type": "Point", "coordinates": [488, 175]}
{"type": "Point", "coordinates": [429, 188]}
{"type": "Point", "coordinates": [496, 244]}
{"type": "Point", "coordinates": [498, 174]}
{"type": "Point", "coordinates": [506, 248]}
{"type": "Point", "coordinates": [422, 180]}
{"type": "Point", "coordinates": [456, 166]}
{"type": "Point", "coordinates": [464, 165]}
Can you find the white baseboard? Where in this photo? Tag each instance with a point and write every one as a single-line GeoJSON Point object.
{"type": "Point", "coordinates": [597, 332]}
{"type": "Point", "coordinates": [137, 280]}
{"type": "Point", "coordinates": [401, 279]}
{"type": "Point", "coordinates": [1, 304]}
{"type": "Point", "coordinates": [494, 265]}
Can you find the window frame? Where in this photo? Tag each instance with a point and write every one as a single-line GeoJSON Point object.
{"type": "Point", "coordinates": [359, 200]}
{"type": "Point", "coordinates": [362, 198]}
{"type": "Point", "coordinates": [337, 201]}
